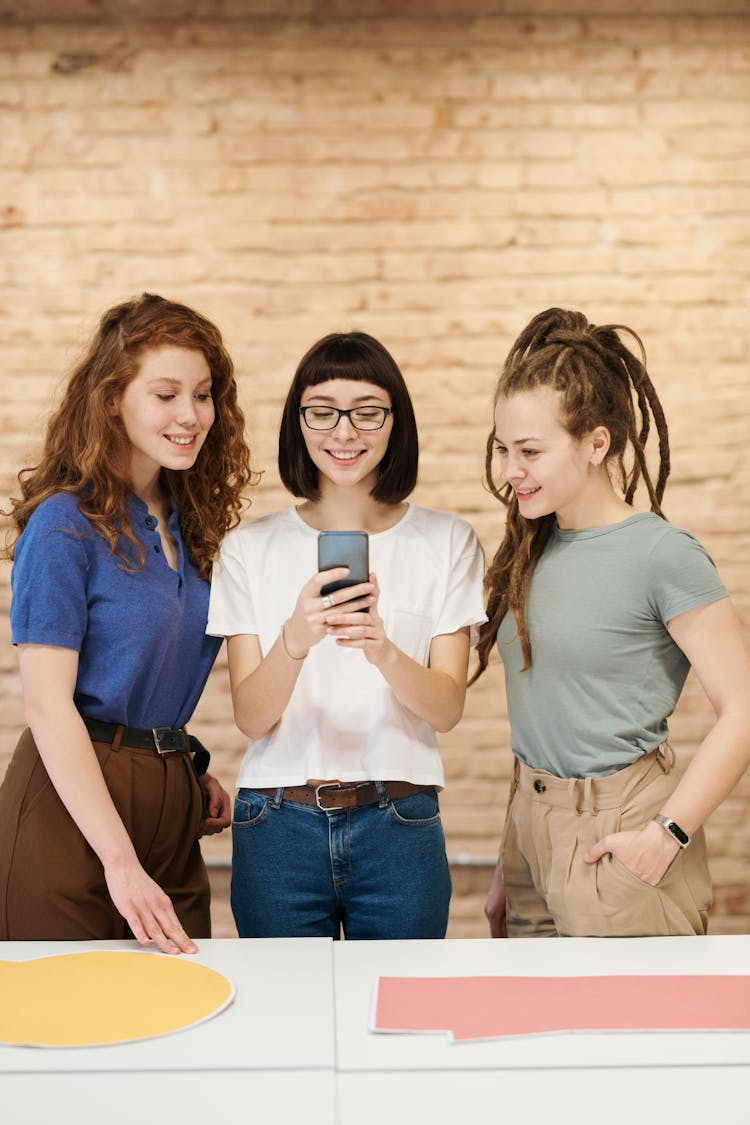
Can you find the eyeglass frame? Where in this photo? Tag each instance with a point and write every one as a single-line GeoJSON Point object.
{"type": "Point", "coordinates": [348, 414]}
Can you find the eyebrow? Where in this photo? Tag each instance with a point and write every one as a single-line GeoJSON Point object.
{"type": "Point", "coordinates": [519, 441]}
{"type": "Point", "coordinates": [172, 382]}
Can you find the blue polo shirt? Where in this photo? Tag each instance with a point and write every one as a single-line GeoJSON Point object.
{"type": "Point", "coordinates": [144, 656]}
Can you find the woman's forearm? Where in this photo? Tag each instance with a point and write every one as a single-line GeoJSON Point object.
{"type": "Point", "coordinates": [260, 691]}
{"type": "Point", "coordinates": [48, 675]}
{"type": "Point", "coordinates": [435, 695]}
{"type": "Point", "coordinates": [65, 748]}
{"type": "Point", "coordinates": [718, 765]}
{"type": "Point", "coordinates": [712, 638]}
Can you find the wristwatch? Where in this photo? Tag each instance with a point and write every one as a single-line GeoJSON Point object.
{"type": "Point", "coordinates": [674, 830]}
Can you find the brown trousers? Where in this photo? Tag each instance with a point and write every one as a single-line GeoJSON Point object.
{"type": "Point", "coordinates": [551, 890]}
{"type": "Point", "coordinates": [52, 884]}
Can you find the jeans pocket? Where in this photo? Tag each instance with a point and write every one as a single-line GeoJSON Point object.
{"type": "Point", "coordinates": [417, 810]}
{"type": "Point", "coordinates": [250, 809]}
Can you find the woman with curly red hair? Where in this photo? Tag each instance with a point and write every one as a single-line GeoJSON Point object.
{"type": "Point", "coordinates": [114, 538]}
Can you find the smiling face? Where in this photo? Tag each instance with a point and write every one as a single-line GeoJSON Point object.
{"type": "Point", "coordinates": [346, 456]}
{"type": "Point", "coordinates": [549, 470]}
{"type": "Point", "coordinates": [166, 411]}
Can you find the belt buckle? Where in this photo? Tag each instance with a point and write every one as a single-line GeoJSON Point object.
{"type": "Point", "coordinates": [348, 785]}
{"type": "Point", "coordinates": [328, 785]}
{"type": "Point", "coordinates": [169, 739]}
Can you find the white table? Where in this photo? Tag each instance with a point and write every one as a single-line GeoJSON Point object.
{"type": "Point", "coordinates": [548, 1096]}
{"type": "Point", "coordinates": [272, 1049]}
{"type": "Point", "coordinates": [205, 1097]}
{"type": "Point", "coordinates": [282, 1015]}
{"type": "Point", "coordinates": [358, 964]}
{"type": "Point", "coordinates": [295, 1046]}
{"type": "Point", "coordinates": [687, 1078]}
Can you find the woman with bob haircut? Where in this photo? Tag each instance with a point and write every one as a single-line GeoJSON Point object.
{"type": "Point", "coordinates": [113, 544]}
{"type": "Point", "coordinates": [336, 823]}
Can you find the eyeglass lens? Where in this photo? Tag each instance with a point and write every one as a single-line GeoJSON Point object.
{"type": "Point", "coordinates": [361, 417]}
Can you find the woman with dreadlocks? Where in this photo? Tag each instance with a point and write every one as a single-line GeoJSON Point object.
{"type": "Point", "coordinates": [598, 612]}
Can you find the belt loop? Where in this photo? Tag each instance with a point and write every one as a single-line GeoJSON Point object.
{"type": "Point", "coordinates": [573, 790]}
{"type": "Point", "coordinates": [665, 756]}
{"type": "Point", "coordinates": [579, 794]}
{"type": "Point", "coordinates": [278, 797]}
{"type": "Point", "coordinates": [118, 736]}
{"type": "Point", "coordinates": [382, 795]}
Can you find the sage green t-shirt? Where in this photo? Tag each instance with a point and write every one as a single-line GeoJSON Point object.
{"type": "Point", "coordinates": [605, 673]}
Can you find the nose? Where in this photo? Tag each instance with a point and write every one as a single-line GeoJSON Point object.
{"type": "Point", "coordinates": [187, 414]}
{"type": "Point", "coordinates": [513, 469]}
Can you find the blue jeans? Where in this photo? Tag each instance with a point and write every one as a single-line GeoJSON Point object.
{"type": "Point", "coordinates": [375, 872]}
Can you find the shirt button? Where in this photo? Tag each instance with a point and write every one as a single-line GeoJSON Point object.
{"type": "Point", "coordinates": [157, 548]}
{"type": "Point", "coordinates": [539, 786]}
{"type": "Point", "coordinates": [150, 521]}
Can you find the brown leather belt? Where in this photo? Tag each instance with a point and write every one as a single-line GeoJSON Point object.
{"type": "Point", "coordinates": [344, 794]}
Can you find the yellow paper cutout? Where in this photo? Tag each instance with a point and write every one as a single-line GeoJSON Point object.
{"type": "Point", "coordinates": [88, 999]}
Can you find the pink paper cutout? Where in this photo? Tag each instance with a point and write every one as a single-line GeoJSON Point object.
{"type": "Point", "coordinates": [491, 1007]}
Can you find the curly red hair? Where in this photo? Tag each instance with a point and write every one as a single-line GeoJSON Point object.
{"type": "Point", "coordinates": [87, 452]}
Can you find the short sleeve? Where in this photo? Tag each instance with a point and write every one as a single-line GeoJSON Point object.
{"type": "Point", "coordinates": [231, 610]}
{"type": "Point", "coordinates": [49, 580]}
{"type": "Point", "coordinates": [683, 575]}
{"type": "Point", "coordinates": [464, 600]}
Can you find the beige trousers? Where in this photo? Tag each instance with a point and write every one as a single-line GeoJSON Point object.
{"type": "Point", "coordinates": [52, 884]}
{"type": "Point", "coordinates": [551, 824]}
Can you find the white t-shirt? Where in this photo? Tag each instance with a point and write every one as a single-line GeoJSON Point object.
{"type": "Point", "coordinates": [342, 720]}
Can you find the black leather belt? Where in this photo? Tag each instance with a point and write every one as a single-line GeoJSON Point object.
{"type": "Point", "coordinates": [161, 740]}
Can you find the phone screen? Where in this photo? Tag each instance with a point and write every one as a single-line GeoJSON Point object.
{"type": "Point", "coordinates": [344, 548]}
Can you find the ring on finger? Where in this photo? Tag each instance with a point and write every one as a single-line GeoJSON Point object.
{"type": "Point", "coordinates": [328, 601]}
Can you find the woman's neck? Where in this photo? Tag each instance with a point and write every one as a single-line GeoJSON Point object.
{"type": "Point", "coordinates": [597, 507]}
{"type": "Point", "coordinates": [341, 512]}
{"type": "Point", "coordinates": [154, 495]}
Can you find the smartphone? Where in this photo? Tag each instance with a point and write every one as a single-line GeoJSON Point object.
{"type": "Point", "coordinates": [344, 548]}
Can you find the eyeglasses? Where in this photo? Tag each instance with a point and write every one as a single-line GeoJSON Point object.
{"type": "Point", "coordinates": [361, 417]}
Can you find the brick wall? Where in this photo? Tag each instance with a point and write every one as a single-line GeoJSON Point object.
{"type": "Point", "coordinates": [434, 178]}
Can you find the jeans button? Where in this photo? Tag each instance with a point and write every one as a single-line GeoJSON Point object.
{"type": "Point", "coordinates": [539, 786]}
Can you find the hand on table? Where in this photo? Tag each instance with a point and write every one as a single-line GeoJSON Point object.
{"type": "Point", "coordinates": [147, 909]}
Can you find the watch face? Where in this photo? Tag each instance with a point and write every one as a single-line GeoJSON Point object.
{"type": "Point", "coordinates": [673, 829]}
{"type": "Point", "coordinates": [678, 833]}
